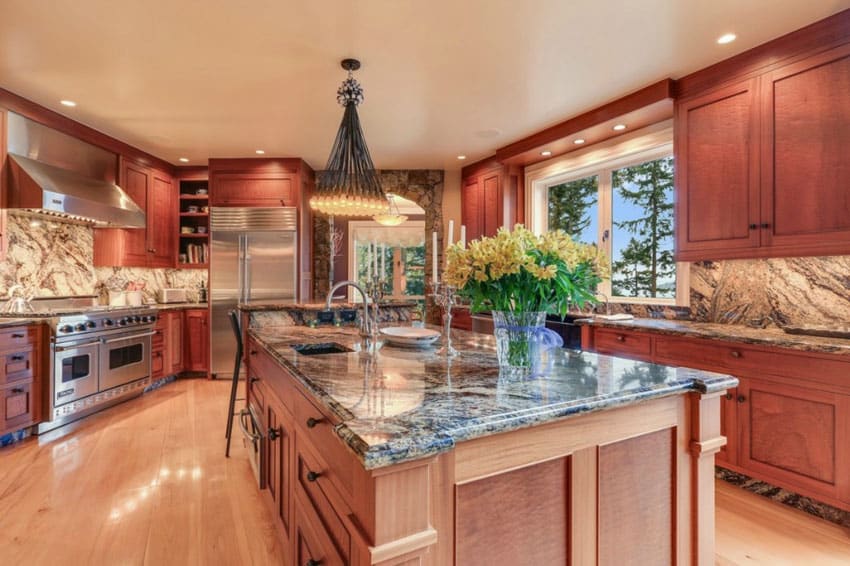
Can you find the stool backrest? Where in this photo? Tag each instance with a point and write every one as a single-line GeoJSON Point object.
{"type": "Point", "coordinates": [234, 323]}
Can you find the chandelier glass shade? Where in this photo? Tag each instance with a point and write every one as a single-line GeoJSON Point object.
{"type": "Point", "coordinates": [391, 215]}
{"type": "Point", "coordinates": [349, 186]}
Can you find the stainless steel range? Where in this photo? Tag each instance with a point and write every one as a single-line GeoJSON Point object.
{"type": "Point", "coordinates": [99, 355]}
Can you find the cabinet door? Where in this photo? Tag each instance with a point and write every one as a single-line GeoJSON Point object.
{"type": "Point", "coordinates": [806, 178]}
{"type": "Point", "coordinates": [279, 463]}
{"type": "Point", "coordinates": [729, 428]}
{"type": "Point", "coordinates": [472, 212]}
{"type": "Point", "coordinates": [261, 189]}
{"type": "Point", "coordinates": [795, 436]}
{"type": "Point", "coordinates": [196, 344]}
{"type": "Point", "coordinates": [491, 205]}
{"type": "Point", "coordinates": [717, 173]}
{"type": "Point", "coordinates": [175, 345]}
{"type": "Point", "coordinates": [17, 407]}
{"type": "Point", "coordinates": [312, 544]}
{"type": "Point", "coordinates": [136, 183]}
{"type": "Point", "coordinates": [161, 221]}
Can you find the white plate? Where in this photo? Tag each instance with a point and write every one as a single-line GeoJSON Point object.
{"type": "Point", "coordinates": [410, 335]}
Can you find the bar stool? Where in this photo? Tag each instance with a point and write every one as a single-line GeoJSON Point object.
{"type": "Point", "coordinates": [234, 323]}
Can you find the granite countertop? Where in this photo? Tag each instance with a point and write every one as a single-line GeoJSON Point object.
{"type": "Point", "coordinates": [399, 404]}
{"type": "Point", "coordinates": [19, 321]}
{"type": "Point", "coordinates": [254, 307]}
{"type": "Point", "coordinates": [178, 306]}
{"type": "Point", "coordinates": [770, 336]}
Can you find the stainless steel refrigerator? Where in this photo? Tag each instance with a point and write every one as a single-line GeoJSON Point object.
{"type": "Point", "coordinates": [253, 259]}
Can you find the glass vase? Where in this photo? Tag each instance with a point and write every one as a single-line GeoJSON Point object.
{"type": "Point", "coordinates": [517, 340]}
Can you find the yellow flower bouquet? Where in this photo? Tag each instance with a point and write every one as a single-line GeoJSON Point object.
{"type": "Point", "coordinates": [521, 277]}
{"type": "Point", "coordinates": [517, 271]}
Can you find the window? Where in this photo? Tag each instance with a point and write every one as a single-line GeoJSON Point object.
{"type": "Point", "coordinates": [403, 250]}
{"type": "Point", "coordinates": [625, 206]}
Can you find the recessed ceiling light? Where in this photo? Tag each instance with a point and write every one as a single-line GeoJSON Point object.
{"type": "Point", "coordinates": [726, 38]}
{"type": "Point", "coordinates": [578, 141]}
{"type": "Point", "coordinates": [260, 152]}
{"type": "Point", "coordinates": [69, 103]}
{"type": "Point", "coordinates": [461, 157]}
{"type": "Point", "coordinates": [620, 127]}
{"type": "Point", "coordinates": [184, 159]}
{"type": "Point", "coordinates": [546, 153]}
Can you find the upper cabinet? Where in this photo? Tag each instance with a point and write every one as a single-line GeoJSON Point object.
{"type": "Point", "coordinates": [490, 198]}
{"type": "Point", "coordinates": [153, 246]}
{"type": "Point", "coordinates": [255, 182]}
{"type": "Point", "coordinates": [762, 164]}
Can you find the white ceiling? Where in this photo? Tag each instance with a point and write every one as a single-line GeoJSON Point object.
{"type": "Point", "coordinates": [221, 78]}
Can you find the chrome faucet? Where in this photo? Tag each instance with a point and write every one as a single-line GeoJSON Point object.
{"type": "Point", "coordinates": [368, 327]}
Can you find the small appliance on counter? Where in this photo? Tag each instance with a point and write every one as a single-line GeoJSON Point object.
{"type": "Point", "coordinates": [172, 296]}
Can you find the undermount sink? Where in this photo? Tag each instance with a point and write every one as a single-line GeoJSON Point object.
{"type": "Point", "coordinates": [320, 349]}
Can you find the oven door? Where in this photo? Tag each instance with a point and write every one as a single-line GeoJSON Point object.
{"type": "Point", "coordinates": [254, 441]}
{"type": "Point", "coordinates": [75, 369]}
{"type": "Point", "coordinates": [125, 358]}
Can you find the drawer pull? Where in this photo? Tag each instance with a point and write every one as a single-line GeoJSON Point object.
{"type": "Point", "coordinates": [735, 354]}
{"type": "Point", "coordinates": [17, 390]}
{"type": "Point", "coordinates": [313, 476]}
{"type": "Point", "coordinates": [18, 335]}
{"type": "Point", "coordinates": [741, 398]}
{"type": "Point", "coordinates": [17, 358]}
{"type": "Point", "coordinates": [311, 422]}
{"type": "Point", "coordinates": [621, 338]}
{"type": "Point", "coordinates": [312, 562]}
{"type": "Point", "coordinates": [273, 434]}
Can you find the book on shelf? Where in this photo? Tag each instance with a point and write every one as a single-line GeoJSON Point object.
{"type": "Point", "coordinates": [197, 253]}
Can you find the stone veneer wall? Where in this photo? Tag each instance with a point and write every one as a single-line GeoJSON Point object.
{"type": "Point", "coordinates": [422, 186]}
{"type": "Point", "coordinates": [55, 258]}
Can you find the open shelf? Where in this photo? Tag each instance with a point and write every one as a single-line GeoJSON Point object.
{"type": "Point", "coordinates": [193, 245]}
{"type": "Point", "coordinates": [194, 235]}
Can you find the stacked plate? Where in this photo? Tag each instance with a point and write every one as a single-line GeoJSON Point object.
{"type": "Point", "coordinates": [410, 336]}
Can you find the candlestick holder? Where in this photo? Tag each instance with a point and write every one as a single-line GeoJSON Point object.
{"type": "Point", "coordinates": [375, 292]}
{"type": "Point", "coordinates": [445, 297]}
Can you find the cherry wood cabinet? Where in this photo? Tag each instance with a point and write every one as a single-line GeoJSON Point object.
{"type": "Point", "coordinates": [23, 362]}
{"type": "Point", "coordinates": [196, 340]}
{"type": "Point", "coordinates": [174, 362]}
{"type": "Point", "coordinates": [279, 463]}
{"type": "Point", "coordinates": [788, 421]}
{"type": "Point", "coordinates": [153, 246]}
{"type": "Point", "coordinates": [762, 167]}
{"type": "Point", "coordinates": [491, 196]}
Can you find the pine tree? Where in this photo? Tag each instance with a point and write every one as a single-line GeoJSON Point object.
{"type": "Point", "coordinates": [570, 204]}
{"type": "Point", "coordinates": [648, 258]}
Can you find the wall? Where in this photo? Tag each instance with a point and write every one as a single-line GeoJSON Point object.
{"type": "Point", "coordinates": [451, 202]}
{"type": "Point", "coordinates": [54, 259]}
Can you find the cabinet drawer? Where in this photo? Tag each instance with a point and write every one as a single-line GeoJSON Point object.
{"type": "Point", "coordinates": [17, 337]}
{"type": "Point", "coordinates": [16, 366]}
{"type": "Point", "coordinates": [314, 480]}
{"type": "Point", "coordinates": [700, 354]}
{"type": "Point", "coordinates": [319, 432]}
{"type": "Point", "coordinates": [312, 543]}
{"type": "Point", "coordinates": [617, 342]}
{"type": "Point", "coordinates": [261, 366]}
{"type": "Point", "coordinates": [17, 409]}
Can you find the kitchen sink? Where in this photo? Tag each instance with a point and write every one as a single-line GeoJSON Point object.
{"type": "Point", "coordinates": [320, 349]}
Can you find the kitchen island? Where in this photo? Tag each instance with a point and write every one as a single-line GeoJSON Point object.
{"type": "Point", "coordinates": [395, 456]}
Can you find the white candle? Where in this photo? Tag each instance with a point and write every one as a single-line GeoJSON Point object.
{"type": "Point", "coordinates": [368, 261]}
{"type": "Point", "coordinates": [434, 262]}
{"type": "Point", "coordinates": [384, 262]}
{"type": "Point", "coordinates": [375, 256]}
{"type": "Point", "coordinates": [451, 232]}
{"type": "Point", "coordinates": [462, 235]}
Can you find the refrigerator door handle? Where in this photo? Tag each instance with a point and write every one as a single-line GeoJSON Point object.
{"type": "Point", "coordinates": [246, 277]}
{"type": "Point", "coordinates": [240, 268]}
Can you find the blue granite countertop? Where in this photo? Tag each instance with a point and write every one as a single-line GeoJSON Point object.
{"type": "Point", "coordinates": [399, 404]}
{"type": "Point", "coordinates": [771, 336]}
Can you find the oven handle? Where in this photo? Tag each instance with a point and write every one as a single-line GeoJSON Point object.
{"type": "Point", "coordinates": [123, 338]}
{"type": "Point", "coordinates": [76, 346]}
{"type": "Point", "coordinates": [247, 413]}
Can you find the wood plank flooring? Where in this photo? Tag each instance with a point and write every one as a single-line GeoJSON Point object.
{"type": "Point", "coordinates": [147, 483]}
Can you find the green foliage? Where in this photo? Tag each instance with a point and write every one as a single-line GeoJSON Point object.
{"type": "Point", "coordinates": [570, 204]}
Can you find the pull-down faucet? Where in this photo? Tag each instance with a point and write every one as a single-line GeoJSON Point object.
{"type": "Point", "coordinates": [367, 325]}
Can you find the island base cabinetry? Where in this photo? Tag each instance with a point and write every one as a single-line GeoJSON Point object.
{"type": "Point", "coordinates": [631, 485]}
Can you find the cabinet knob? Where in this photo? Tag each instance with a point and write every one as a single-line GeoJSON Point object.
{"type": "Point", "coordinates": [729, 396]}
{"type": "Point", "coordinates": [735, 354]}
{"type": "Point", "coordinates": [754, 226]}
{"type": "Point", "coordinates": [273, 434]}
{"type": "Point", "coordinates": [765, 225]}
{"type": "Point", "coordinates": [311, 422]}
{"type": "Point", "coordinates": [253, 352]}
{"type": "Point", "coordinates": [621, 338]}
{"type": "Point", "coordinates": [312, 562]}
{"type": "Point", "coordinates": [313, 476]}
{"type": "Point", "coordinates": [255, 379]}
{"type": "Point", "coordinates": [741, 398]}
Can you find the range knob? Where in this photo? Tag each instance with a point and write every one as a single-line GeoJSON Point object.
{"type": "Point", "coordinates": [122, 322]}
{"type": "Point", "coordinates": [90, 324]}
{"type": "Point", "coordinates": [66, 328]}
{"type": "Point", "coordinates": [152, 318]}
{"type": "Point", "coordinates": [108, 322]}
{"type": "Point", "coordinates": [80, 327]}
{"type": "Point", "coordinates": [137, 319]}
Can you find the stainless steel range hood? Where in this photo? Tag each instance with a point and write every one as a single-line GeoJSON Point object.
{"type": "Point", "coordinates": [52, 173]}
{"type": "Point", "coordinates": [42, 188]}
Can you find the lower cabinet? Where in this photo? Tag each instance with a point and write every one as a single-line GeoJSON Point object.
{"type": "Point", "coordinates": [196, 341]}
{"type": "Point", "coordinates": [175, 342]}
{"type": "Point", "coordinates": [22, 366]}
{"type": "Point", "coordinates": [278, 461]}
{"type": "Point", "coordinates": [788, 421]}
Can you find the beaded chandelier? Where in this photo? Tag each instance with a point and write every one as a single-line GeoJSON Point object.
{"type": "Point", "coordinates": [349, 186]}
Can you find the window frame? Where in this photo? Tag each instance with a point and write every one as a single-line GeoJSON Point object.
{"type": "Point", "coordinates": [602, 162]}
{"type": "Point", "coordinates": [354, 297]}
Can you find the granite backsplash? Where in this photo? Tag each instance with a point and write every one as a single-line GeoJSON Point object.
{"type": "Point", "coordinates": [55, 258]}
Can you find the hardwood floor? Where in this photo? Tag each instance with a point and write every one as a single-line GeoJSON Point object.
{"type": "Point", "coordinates": [147, 483]}
{"type": "Point", "coordinates": [143, 483]}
